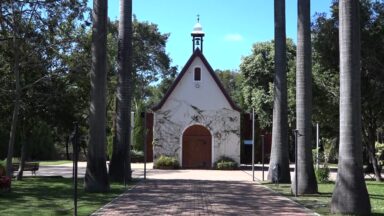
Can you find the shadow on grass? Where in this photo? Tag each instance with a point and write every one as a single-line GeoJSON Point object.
{"type": "Point", "coordinates": [52, 196]}
{"type": "Point", "coordinates": [321, 202]}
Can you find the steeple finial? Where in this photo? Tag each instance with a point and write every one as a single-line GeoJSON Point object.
{"type": "Point", "coordinates": [198, 18]}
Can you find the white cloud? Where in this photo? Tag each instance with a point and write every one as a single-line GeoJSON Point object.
{"type": "Point", "coordinates": [233, 37]}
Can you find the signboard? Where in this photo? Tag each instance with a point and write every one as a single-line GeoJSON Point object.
{"type": "Point", "coordinates": [247, 142]}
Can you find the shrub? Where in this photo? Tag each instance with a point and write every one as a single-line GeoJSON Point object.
{"type": "Point", "coordinates": [321, 156]}
{"type": "Point", "coordinates": [226, 163]}
{"type": "Point", "coordinates": [15, 160]}
{"type": "Point", "coordinates": [166, 162]}
{"type": "Point", "coordinates": [110, 146]}
{"type": "Point", "coordinates": [2, 167]}
{"type": "Point", "coordinates": [380, 153]}
{"type": "Point", "coordinates": [138, 129]}
{"type": "Point", "coordinates": [137, 156]}
{"type": "Point", "coordinates": [331, 150]}
{"type": "Point", "coordinates": [5, 183]}
{"type": "Point", "coordinates": [322, 174]}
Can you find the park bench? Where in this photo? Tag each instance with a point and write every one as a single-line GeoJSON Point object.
{"type": "Point", "coordinates": [29, 166]}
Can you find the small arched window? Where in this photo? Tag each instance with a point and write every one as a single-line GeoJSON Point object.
{"type": "Point", "coordinates": [197, 74]}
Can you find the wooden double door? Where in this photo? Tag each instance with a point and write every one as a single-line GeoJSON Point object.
{"type": "Point", "coordinates": [197, 148]}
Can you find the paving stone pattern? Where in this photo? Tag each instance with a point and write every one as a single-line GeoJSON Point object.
{"type": "Point", "coordinates": [201, 197]}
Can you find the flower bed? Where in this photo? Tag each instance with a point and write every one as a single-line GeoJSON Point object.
{"type": "Point", "coordinates": [226, 163]}
{"type": "Point", "coordinates": [166, 162]}
{"type": "Point", "coordinates": [5, 183]}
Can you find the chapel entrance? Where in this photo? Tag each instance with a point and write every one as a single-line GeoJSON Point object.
{"type": "Point", "coordinates": [197, 147]}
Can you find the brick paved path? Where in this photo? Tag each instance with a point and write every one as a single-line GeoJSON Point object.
{"type": "Point", "coordinates": [201, 197]}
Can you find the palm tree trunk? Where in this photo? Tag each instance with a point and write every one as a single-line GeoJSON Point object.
{"type": "Point", "coordinates": [350, 195]}
{"type": "Point", "coordinates": [307, 183]}
{"type": "Point", "coordinates": [96, 177]}
{"type": "Point", "coordinates": [120, 168]}
{"type": "Point", "coordinates": [279, 152]}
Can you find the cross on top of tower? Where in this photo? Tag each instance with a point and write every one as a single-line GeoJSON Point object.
{"type": "Point", "coordinates": [198, 29]}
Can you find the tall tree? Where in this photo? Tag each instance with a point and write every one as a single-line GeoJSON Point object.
{"type": "Point", "coordinates": [326, 74]}
{"type": "Point", "coordinates": [257, 72]}
{"type": "Point", "coordinates": [32, 34]}
{"type": "Point", "coordinates": [96, 177]}
{"type": "Point", "coordinates": [307, 183]}
{"type": "Point", "coordinates": [120, 167]}
{"type": "Point", "coordinates": [232, 81]}
{"type": "Point", "coordinates": [350, 195]}
{"type": "Point", "coordinates": [16, 71]}
{"type": "Point", "coordinates": [279, 153]}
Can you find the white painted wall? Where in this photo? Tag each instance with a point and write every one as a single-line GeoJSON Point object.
{"type": "Point", "coordinates": [207, 97]}
{"type": "Point", "coordinates": [188, 105]}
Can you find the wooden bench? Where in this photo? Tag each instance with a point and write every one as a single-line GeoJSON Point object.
{"type": "Point", "coordinates": [29, 166]}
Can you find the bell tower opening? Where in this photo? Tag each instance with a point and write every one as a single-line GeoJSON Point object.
{"type": "Point", "coordinates": [197, 36]}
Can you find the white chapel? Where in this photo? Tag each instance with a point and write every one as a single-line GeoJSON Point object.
{"type": "Point", "coordinates": [197, 122]}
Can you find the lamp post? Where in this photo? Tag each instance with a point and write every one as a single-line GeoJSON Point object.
{"type": "Point", "coordinates": [144, 116]}
{"type": "Point", "coordinates": [262, 155]}
{"type": "Point", "coordinates": [75, 154]}
{"type": "Point", "coordinates": [296, 177]}
{"type": "Point", "coordinates": [253, 144]}
{"type": "Point", "coordinates": [317, 145]}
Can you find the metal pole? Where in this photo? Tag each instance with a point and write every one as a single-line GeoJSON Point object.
{"type": "Point", "coordinates": [296, 183]}
{"type": "Point", "coordinates": [317, 145]}
{"type": "Point", "coordinates": [145, 145]}
{"type": "Point", "coordinates": [125, 169]}
{"type": "Point", "coordinates": [262, 155]}
{"type": "Point", "coordinates": [75, 159]}
{"type": "Point", "coordinates": [253, 144]}
{"type": "Point", "coordinates": [132, 125]}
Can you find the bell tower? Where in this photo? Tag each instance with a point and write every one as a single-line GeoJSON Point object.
{"type": "Point", "coordinates": [197, 36]}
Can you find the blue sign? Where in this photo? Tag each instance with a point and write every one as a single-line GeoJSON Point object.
{"type": "Point", "coordinates": [247, 142]}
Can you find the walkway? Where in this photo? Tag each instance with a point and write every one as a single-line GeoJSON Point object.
{"type": "Point", "coordinates": [201, 192]}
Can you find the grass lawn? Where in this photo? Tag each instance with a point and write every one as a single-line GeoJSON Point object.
{"type": "Point", "coordinates": [59, 162]}
{"type": "Point", "coordinates": [52, 196]}
{"type": "Point", "coordinates": [320, 203]}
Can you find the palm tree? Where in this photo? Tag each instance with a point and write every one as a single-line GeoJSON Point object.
{"type": "Point", "coordinates": [120, 168]}
{"type": "Point", "coordinates": [279, 152]}
{"type": "Point", "coordinates": [307, 183]}
{"type": "Point", "coordinates": [350, 195]}
{"type": "Point", "coordinates": [96, 177]}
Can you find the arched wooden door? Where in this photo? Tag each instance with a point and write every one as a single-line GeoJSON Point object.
{"type": "Point", "coordinates": [197, 147]}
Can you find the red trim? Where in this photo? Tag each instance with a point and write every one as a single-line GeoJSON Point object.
{"type": "Point", "coordinates": [196, 53]}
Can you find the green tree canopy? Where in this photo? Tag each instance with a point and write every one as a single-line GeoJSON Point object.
{"type": "Point", "coordinates": [257, 72]}
{"type": "Point", "coordinates": [325, 33]}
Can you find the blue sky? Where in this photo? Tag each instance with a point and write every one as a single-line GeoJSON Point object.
{"type": "Point", "coordinates": [230, 26]}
